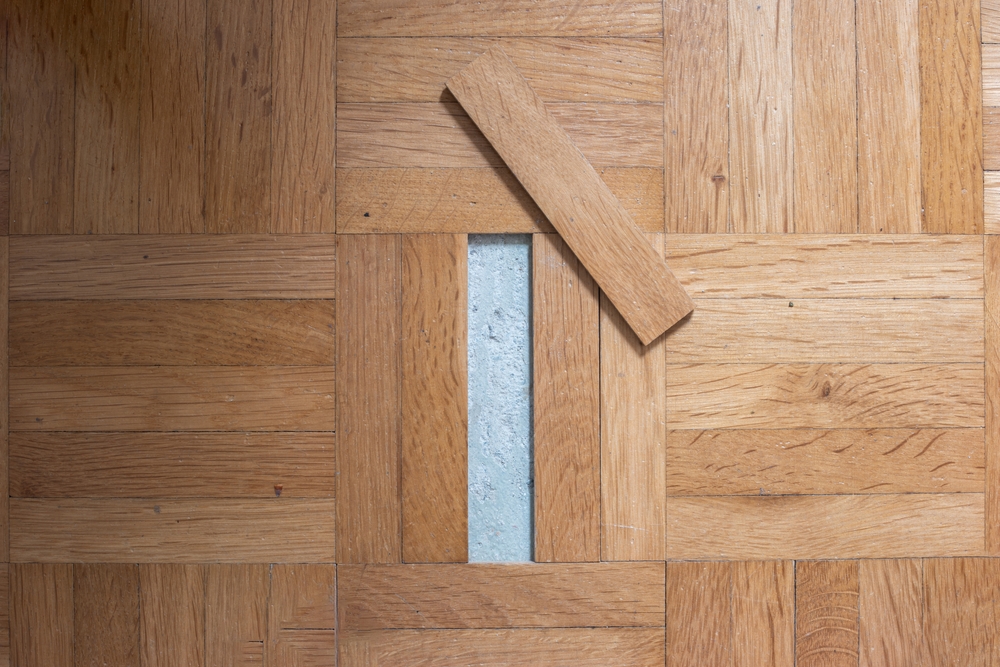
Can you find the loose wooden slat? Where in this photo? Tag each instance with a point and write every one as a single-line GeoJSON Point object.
{"type": "Point", "coordinates": [369, 361]}
{"type": "Point", "coordinates": [992, 370]}
{"type": "Point", "coordinates": [172, 117]}
{"type": "Point", "coordinates": [5, 614]}
{"type": "Point", "coordinates": [816, 527]}
{"type": "Point", "coordinates": [172, 465]}
{"type": "Point", "coordinates": [474, 201]}
{"type": "Point", "coordinates": [760, 117]}
{"type": "Point", "coordinates": [709, 396]}
{"type": "Point", "coordinates": [172, 333]}
{"type": "Point", "coordinates": [840, 461]}
{"type": "Point", "coordinates": [763, 614]}
{"type": "Point", "coordinates": [567, 427]}
{"type": "Point", "coordinates": [991, 202]}
{"type": "Point", "coordinates": [434, 395]}
{"type": "Point", "coordinates": [991, 137]}
{"type": "Point", "coordinates": [888, 116]}
{"type": "Point", "coordinates": [699, 606]}
{"type": "Point", "coordinates": [304, 79]}
{"type": "Point", "coordinates": [106, 613]}
{"type": "Point", "coordinates": [574, 198]}
{"type": "Point", "coordinates": [826, 613]}
{"type": "Point", "coordinates": [890, 612]}
{"type": "Point", "coordinates": [951, 117]}
{"type": "Point", "coordinates": [180, 531]}
{"type": "Point", "coordinates": [235, 610]}
{"type": "Point", "coordinates": [413, 18]}
{"type": "Point", "coordinates": [172, 614]}
{"type": "Point", "coordinates": [174, 267]}
{"type": "Point", "coordinates": [41, 615]}
{"type": "Point", "coordinates": [238, 117]}
{"type": "Point", "coordinates": [484, 595]}
{"type": "Point", "coordinates": [302, 596]}
{"type": "Point", "coordinates": [178, 398]}
{"type": "Point", "coordinates": [441, 134]}
{"type": "Point", "coordinates": [961, 611]}
{"type": "Point", "coordinates": [696, 108]}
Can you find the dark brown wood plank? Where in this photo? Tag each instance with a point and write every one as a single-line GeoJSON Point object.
{"type": "Point", "coordinates": [106, 613]}
{"type": "Point", "coordinates": [826, 613]}
{"type": "Point", "coordinates": [235, 610]}
{"type": "Point", "coordinates": [41, 615]}
{"type": "Point", "coordinates": [172, 614]}
{"type": "Point", "coordinates": [699, 614]}
{"type": "Point", "coordinates": [5, 614]}
{"type": "Point", "coordinates": [4, 403]}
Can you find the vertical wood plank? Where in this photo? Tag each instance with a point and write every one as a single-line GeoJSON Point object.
{"type": "Point", "coordinates": [41, 615]}
{"type": "Point", "coordinates": [4, 401]}
{"type": "Point", "coordinates": [699, 608]}
{"type": "Point", "coordinates": [951, 131]}
{"type": "Point", "coordinates": [992, 431]}
{"type": "Point", "coordinates": [238, 117]}
{"type": "Point", "coordinates": [826, 613]}
{"type": "Point", "coordinates": [962, 611]}
{"type": "Point", "coordinates": [567, 425]}
{"type": "Point", "coordinates": [633, 439]}
{"type": "Point", "coordinates": [172, 117]}
{"type": "Point", "coordinates": [106, 606]}
{"type": "Point", "coordinates": [4, 615]}
{"type": "Point", "coordinates": [172, 615]}
{"type": "Point", "coordinates": [760, 116]}
{"type": "Point", "coordinates": [236, 600]}
{"type": "Point", "coordinates": [890, 612]}
{"type": "Point", "coordinates": [435, 387]}
{"type": "Point", "coordinates": [696, 116]}
{"type": "Point", "coordinates": [763, 613]}
{"type": "Point", "coordinates": [304, 79]}
{"type": "Point", "coordinates": [368, 403]}
{"type": "Point", "coordinates": [302, 616]}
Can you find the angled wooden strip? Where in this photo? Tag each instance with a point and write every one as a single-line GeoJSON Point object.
{"type": "Point", "coordinates": [41, 615]}
{"type": "Point", "coordinates": [990, 12]}
{"type": "Point", "coordinates": [991, 138]}
{"type": "Point", "coordinates": [951, 117]}
{"type": "Point", "coordinates": [763, 614]}
{"type": "Point", "coordinates": [826, 613]}
{"type": "Point", "coordinates": [235, 609]}
{"type": "Point", "coordinates": [178, 398]}
{"type": "Point", "coordinates": [709, 396]}
{"type": "Point", "coordinates": [811, 461]}
{"type": "Point", "coordinates": [815, 527]}
{"type": "Point", "coordinates": [890, 612]}
{"type": "Point", "coordinates": [106, 612]}
{"type": "Point", "coordinates": [992, 369]}
{"type": "Point", "coordinates": [888, 116]}
{"type": "Point", "coordinates": [434, 395]}
{"type": "Point", "coordinates": [699, 618]}
{"type": "Point", "coordinates": [5, 614]}
{"type": "Point", "coordinates": [567, 427]}
{"type": "Point", "coordinates": [172, 614]}
{"type": "Point", "coordinates": [991, 75]}
{"type": "Point", "coordinates": [962, 611]}
{"type": "Point", "coordinates": [182, 531]}
{"type": "Point", "coordinates": [991, 202]}
{"type": "Point", "coordinates": [484, 595]}
{"type": "Point", "coordinates": [599, 231]}
{"type": "Point", "coordinates": [172, 465]}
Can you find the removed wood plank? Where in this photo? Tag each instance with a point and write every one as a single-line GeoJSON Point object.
{"type": "Point", "coordinates": [962, 611]}
{"type": "Point", "coordinates": [235, 609]}
{"type": "Point", "coordinates": [574, 198]}
{"type": "Point", "coordinates": [826, 613]}
{"type": "Point", "coordinates": [763, 599]}
{"type": "Point", "coordinates": [173, 614]}
{"type": "Point", "coordinates": [106, 602]}
{"type": "Point", "coordinates": [699, 614]}
{"type": "Point", "coordinates": [890, 613]}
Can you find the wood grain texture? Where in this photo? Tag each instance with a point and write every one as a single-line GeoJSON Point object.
{"type": "Point", "coordinates": [41, 615]}
{"type": "Point", "coordinates": [951, 117]}
{"type": "Point", "coordinates": [4, 401]}
{"type": "Point", "coordinates": [566, 390]}
{"type": "Point", "coordinates": [990, 12]}
{"type": "Point", "coordinates": [826, 613]}
{"type": "Point", "coordinates": [235, 611]}
{"type": "Point", "coordinates": [303, 131]}
{"type": "Point", "coordinates": [173, 398]}
{"type": "Point", "coordinates": [172, 614]}
{"type": "Point", "coordinates": [97, 530]}
{"type": "Point", "coordinates": [991, 74]}
{"type": "Point", "coordinates": [710, 396]}
{"type": "Point", "coordinates": [696, 116]}
{"type": "Point", "coordinates": [992, 370]}
{"type": "Point", "coordinates": [760, 117]}
{"type": "Point", "coordinates": [819, 527]}
{"type": "Point", "coordinates": [172, 117]}
{"type": "Point", "coordinates": [5, 614]}
{"type": "Point", "coordinates": [890, 612]}
{"type": "Point", "coordinates": [991, 202]}
{"type": "Point", "coordinates": [434, 395]}
{"type": "Point", "coordinates": [574, 198]}
{"type": "Point", "coordinates": [699, 614]}
{"type": "Point", "coordinates": [961, 611]}
{"type": "Point", "coordinates": [763, 613]}
{"type": "Point", "coordinates": [106, 613]}
{"type": "Point", "coordinates": [369, 421]}
{"type": "Point", "coordinates": [302, 596]}
{"type": "Point", "coordinates": [172, 465]}
{"type": "Point", "coordinates": [485, 596]}
{"type": "Point", "coordinates": [991, 138]}
{"type": "Point", "coordinates": [238, 117]}
{"type": "Point", "coordinates": [174, 267]}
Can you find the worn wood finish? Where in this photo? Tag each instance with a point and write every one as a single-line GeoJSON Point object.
{"type": "Point", "coordinates": [763, 620]}
{"type": "Point", "coordinates": [106, 614]}
{"type": "Point", "coordinates": [992, 369]}
{"type": "Point", "coordinates": [235, 611]}
{"type": "Point", "coordinates": [961, 611]}
{"type": "Point", "coordinates": [172, 614]}
{"type": "Point", "coordinates": [890, 613]}
{"type": "Point", "coordinates": [826, 613]}
{"type": "Point", "coordinates": [701, 591]}
{"type": "Point", "coordinates": [41, 615]}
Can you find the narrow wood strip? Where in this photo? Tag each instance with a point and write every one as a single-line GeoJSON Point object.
{"type": "Point", "coordinates": [819, 527]}
{"type": "Point", "coordinates": [4, 202]}
{"type": "Point", "coordinates": [5, 614]}
{"type": "Point", "coordinates": [4, 401]}
{"type": "Point", "coordinates": [890, 612]}
{"type": "Point", "coordinates": [106, 613]}
{"type": "Point", "coordinates": [763, 614]}
{"type": "Point", "coordinates": [567, 425]}
{"type": "Point", "coordinates": [302, 596]}
{"type": "Point", "coordinates": [369, 423]}
{"type": "Point", "coordinates": [699, 614]}
{"type": "Point", "coordinates": [435, 388]}
{"type": "Point", "coordinates": [962, 611]}
{"type": "Point", "coordinates": [991, 74]}
{"type": "Point", "coordinates": [992, 369]}
{"type": "Point", "coordinates": [990, 13]}
{"type": "Point", "coordinates": [41, 615]}
{"type": "Point", "coordinates": [991, 137]}
{"type": "Point", "coordinates": [181, 531]}
{"type": "Point", "coordinates": [991, 202]}
{"type": "Point", "coordinates": [172, 614]}
{"type": "Point", "coordinates": [306, 648]}
{"type": "Point", "coordinates": [235, 610]}
{"type": "Point", "coordinates": [826, 613]}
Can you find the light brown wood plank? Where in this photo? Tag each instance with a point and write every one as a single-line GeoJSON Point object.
{"type": "Point", "coordinates": [236, 601]}
{"type": "Point", "coordinates": [475, 200]}
{"type": "Point", "coordinates": [181, 531]}
{"type": "Point", "coordinates": [812, 461]}
{"type": "Point", "coordinates": [760, 116]}
{"type": "Point", "coordinates": [826, 613]}
{"type": "Point", "coordinates": [962, 611]}
{"type": "Point", "coordinates": [172, 614]}
{"type": "Point", "coordinates": [991, 138]}
{"type": "Point", "coordinates": [106, 613]}
{"type": "Point", "coordinates": [485, 595]}
{"type": "Point", "coordinates": [699, 614]}
{"type": "Point", "coordinates": [991, 74]}
{"type": "Point", "coordinates": [818, 527]}
{"type": "Point", "coordinates": [41, 615]}
{"type": "Point", "coordinates": [174, 267]}
{"type": "Point", "coordinates": [992, 390]}
{"type": "Point", "coordinates": [302, 596]}
{"type": "Point", "coordinates": [173, 465]}
{"type": "Point", "coordinates": [5, 614]}
{"type": "Point", "coordinates": [709, 396]}
{"type": "Point", "coordinates": [238, 116]}
{"type": "Point", "coordinates": [890, 612]}
{"type": "Point", "coordinates": [434, 396]}
{"type": "Point", "coordinates": [369, 426]}
{"type": "Point", "coordinates": [951, 117]}
{"type": "Point", "coordinates": [416, 18]}
{"type": "Point", "coordinates": [991, 202]}
{"type": "Point", "coordinates": [178, 398]}
{"type": "Point", "coordinates": [567, 419]}
{"type": "Point", "coordinates": [306, 648]}
{"type": "Point", "coordinates": [696, 109]}
{"type": "Point", "coordinates": [303, 131]}
{"type": "Point", "coordinates": [990, 13]}
{"type": "Point", "coordinates": [441, 134]}
{"type": "Point", "coordinates": [172, 117]}
{"type": "Point", "coordinates": [763, 614]}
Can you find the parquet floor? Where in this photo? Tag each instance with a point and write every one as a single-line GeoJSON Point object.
{"type": "Point", "coordinates": [233, 352]}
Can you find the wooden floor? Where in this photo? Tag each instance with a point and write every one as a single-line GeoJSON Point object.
{"type": "Point", "coordinates": [234, 344]}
